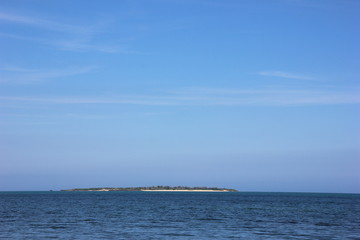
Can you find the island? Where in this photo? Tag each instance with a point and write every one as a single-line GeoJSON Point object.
{"type": "Point", "coordinates": [156, 189]}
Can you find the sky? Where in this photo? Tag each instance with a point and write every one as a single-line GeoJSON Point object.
{"type": "Point", "coordinates": [253, 95]}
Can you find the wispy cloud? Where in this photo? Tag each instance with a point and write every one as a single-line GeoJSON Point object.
{"type": "Point", "coordinates": [83, 45]}
{"type": "Point", "coordinates": [288, 75]}
{"type": "Point", "coordinates": [210, 97]}
{"type": "Point", "coordinates": [76, 37]}
{"type": "Point", "coordinates": [77, 44]}
{"type": "Point", "coordinates": [324, 5]}
{"type": "Point", "coordinates": [8, 68]}
{"type": "Point", "coordinates": [46, 24]}
{"type": "Point", "coordinates": [18, 75]}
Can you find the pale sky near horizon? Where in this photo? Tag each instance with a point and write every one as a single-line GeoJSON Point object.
{"type": "Point", "coordinates": [255, 95]}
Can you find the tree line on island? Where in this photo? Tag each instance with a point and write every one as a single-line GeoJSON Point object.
{"type": "Point", "coordinates": [154, 188]}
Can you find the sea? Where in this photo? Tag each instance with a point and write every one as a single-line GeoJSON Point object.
{"type": "Point", "coordinates": [178, 215]}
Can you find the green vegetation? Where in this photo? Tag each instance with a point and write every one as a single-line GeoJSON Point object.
{"type": "Point", "coordinates": [179, 188]}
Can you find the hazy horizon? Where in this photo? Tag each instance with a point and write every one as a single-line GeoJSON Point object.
{"type": "Point", "coordinates": [251, 95]}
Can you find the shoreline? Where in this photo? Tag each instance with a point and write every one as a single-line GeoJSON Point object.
{"type": "Point", "coordinates": [197, 190]}
{"type": "Point", "coordinates": [155, 189]}
{"type": "Point", "coordinates": [164, 190]}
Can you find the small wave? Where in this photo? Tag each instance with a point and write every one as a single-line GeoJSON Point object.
{"type": "Point", "coordinates": [209, 219]}
{"type": "Point", "coordinates": [270, 234]}
{"type": "Point", "coordinates": [57, 227]}
{"type": "Point", "coordinates": [157, 226]}
{"type": "Point", "coordinates": [89, 220]}
{"type": "Point", "coordinates": [290, 221]}
{"type": "Point", "coordinates": [53, 212]}
{"type": "Point", "coordinates": [253, 208]}
{"type": "Point", "coordinates": [177, 235]}
{"type": "Point", "coordinates": [7, 220]}
{"type": "Point", "coordinates": [326, 224]}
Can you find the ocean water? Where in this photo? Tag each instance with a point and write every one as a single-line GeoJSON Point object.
{"type": "Point", "coordinates": [156, 215]}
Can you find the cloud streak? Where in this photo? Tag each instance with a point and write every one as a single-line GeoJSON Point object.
{"type": "Point", "coordinates": [46, 24]}
{"type": "Point", "coordinates": [83, 45]}
{"type": "Point", "coordinates": [78, 44]}
{"type": "Point", "coordinates": [281, 74]}
{"type": "Point", "coordinates": [77, 37]}
{"type": "Point", "coordinates": [18, 75]}
{"type": "Point", "coordinates": [209, 97]}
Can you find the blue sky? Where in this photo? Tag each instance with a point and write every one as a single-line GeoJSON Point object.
{"type": "Point", "coordinates": [252, 95]}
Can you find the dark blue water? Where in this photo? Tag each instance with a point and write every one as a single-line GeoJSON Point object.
{"type": "Point", "coordinates": [154, 215]}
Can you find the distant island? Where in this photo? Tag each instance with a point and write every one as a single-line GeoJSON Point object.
{"type": "Point", "coordinates": [156, 189]}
